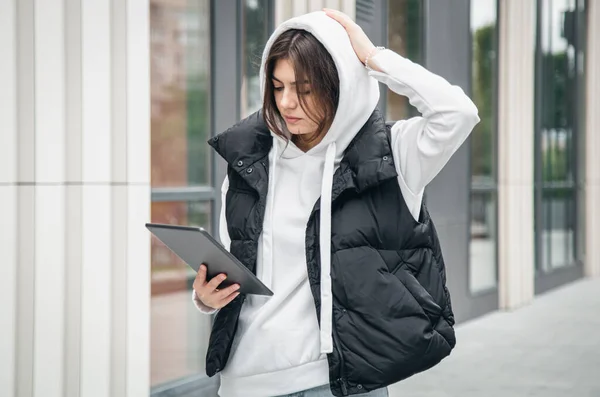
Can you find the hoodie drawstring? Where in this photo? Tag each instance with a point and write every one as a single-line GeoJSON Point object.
{"type": "Point", "coordinates": [267, 276]}
{"type": "Point", "coordinates": [325, 251]}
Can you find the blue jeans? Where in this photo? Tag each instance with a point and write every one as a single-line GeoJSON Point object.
{"type": "Point", "coordinates": [323, 391]}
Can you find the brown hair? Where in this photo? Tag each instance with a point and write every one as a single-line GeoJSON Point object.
{"type": "Point", "coordinates": [313, 65]}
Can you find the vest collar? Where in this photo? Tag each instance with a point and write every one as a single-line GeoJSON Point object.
{"type": "Point", "coordinates": [245, 143]}
{"type": "Point", "coordinates": [367, 162]}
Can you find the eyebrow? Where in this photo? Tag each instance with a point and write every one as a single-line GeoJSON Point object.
{"type": "Point", "coordinates": [293, 83]}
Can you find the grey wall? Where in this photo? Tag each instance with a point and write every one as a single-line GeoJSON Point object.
{"type": "Point", "coordinates": [371, 16]}
{"type": "Point", "coordinates": [448, 53]}
{"type": "Point", "coordinates": [226, 82]}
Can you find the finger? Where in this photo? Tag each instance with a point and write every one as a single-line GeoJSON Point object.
{"type": "Point", "coordinates": [200, 280]}
{"type": "Point", "coordinates": [224, 293]}
{"type": "Point", "coordinates": [339, 16]}
{"type": "Point", "coordinates": [228, 300]}
{"type": "Point", "coordinates": [215, 282]}
{"type": "Point", "coordinates": [333, 14]}
{"type": "Point", "coordinates": [201, 276]}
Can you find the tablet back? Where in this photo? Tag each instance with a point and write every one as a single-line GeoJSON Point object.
{"type": "Point", "coordinates": [196, 246]}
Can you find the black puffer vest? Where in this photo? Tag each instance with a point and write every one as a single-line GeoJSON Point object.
{"type": "Point", "coordinates": [392, 315]}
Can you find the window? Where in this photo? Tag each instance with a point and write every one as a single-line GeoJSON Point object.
{"type": "Point", "coordinates": [182, 186]}
{"type": "Point", "coordinates": [558, 133]}
{"type": "Point", "coordinates": [256, 28]}
{"type": "Point", "coordinates": [483, 245]}
{"type": "Point", "coordinates": [185, 182]}
{"type": "Point", "coordinates": [405, 37]}
{"type": "Point", "coordinates": [180, 83]}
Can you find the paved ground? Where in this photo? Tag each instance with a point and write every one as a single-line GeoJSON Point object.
{"type": "Point", "coordinates": [550, 348]}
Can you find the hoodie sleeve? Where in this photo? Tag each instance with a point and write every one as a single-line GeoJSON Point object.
{"type": "Point", "coordinates": [223, 234]}
{"type": "Point", "coordinates": [201, 306]}
{"type": "Point", "coordinates": [225, 240]}
{"type": "Point", "coordinates": [423, 145]}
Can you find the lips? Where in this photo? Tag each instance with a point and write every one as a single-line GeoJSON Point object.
{"type": "Point", "coordinates": [292, 120]}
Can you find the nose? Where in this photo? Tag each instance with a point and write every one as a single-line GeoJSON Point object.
{"type": "Point", "coordinates": [289, 99]}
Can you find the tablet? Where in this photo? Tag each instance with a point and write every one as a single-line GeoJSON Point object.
{"type": "Point", "coordinates": [195, 246]}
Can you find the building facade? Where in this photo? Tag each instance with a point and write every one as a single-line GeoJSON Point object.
{"type": "Point", "coordinates": [104, 117]}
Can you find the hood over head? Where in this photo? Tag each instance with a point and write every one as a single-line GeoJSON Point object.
{"type": "Point", "coordinates": [359, 93]}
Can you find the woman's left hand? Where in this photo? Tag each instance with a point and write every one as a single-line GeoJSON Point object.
{"type": "Point", "coordinates": [363, 47]}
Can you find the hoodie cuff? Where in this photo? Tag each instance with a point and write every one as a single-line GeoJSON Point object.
{"type": "Point", "coordinates": [201, 306]}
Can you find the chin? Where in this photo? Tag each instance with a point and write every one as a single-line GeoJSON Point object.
{"type": "Point", "coordinates": [296, 130]}
{"type": "Point", "coordinates": [301, 132]}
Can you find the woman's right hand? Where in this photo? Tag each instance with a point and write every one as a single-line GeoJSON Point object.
{"type": "Point", "coordinates": [209, 293]}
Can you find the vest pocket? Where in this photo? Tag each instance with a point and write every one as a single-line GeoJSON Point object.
{"type": "Point", "coordinates": [431, 309]}
{"type": "Point", "coordinates": [363, 283]}
{"type": "Point", "coordinates": [389, 331]}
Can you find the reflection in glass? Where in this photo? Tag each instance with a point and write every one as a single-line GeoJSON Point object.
{"type": "Point", "coordinates": [558, 228]}
{"type": "Point", "coordinates": [483, 245]}
{"type": "Point", "coordinates": [560, 68]}
{"type": "Point", "coordinates": [179, 334]}
{"type": "Point", "coordinates": [180, 83]}
{"type": "Point", "coordinates": [405, 37]}
{"type": "Point", "coordinates": [180, 120]}
{"type": "Point", "coordinates": [482, 272]}
{"type": "Point", "coordinates": [256, 33]}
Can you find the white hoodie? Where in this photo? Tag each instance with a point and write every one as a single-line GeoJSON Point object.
{"type": "Point", "coordinates": [279, 348]}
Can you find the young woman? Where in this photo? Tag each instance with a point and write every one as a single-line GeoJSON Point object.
{"type": "Point", "coordinates": [323, 201]}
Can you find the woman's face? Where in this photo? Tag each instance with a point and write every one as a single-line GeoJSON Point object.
{"type": "Point", "coordinates": [288, 102]}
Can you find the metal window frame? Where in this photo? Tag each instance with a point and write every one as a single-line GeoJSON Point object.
{"type": "Point", "coordinates": [184, 193]}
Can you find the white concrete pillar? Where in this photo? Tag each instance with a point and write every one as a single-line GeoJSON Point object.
{"type": "Point", "coordinates": [286, 9]}
{"type": "Point", "coordinates": [8, 196]}
{"type": "Point", "coordinates": [592, 140]}
{"type": "Point", "coordinates": [25, 206]}
{"type": "Point", "coordinates": [73, 212]}
{"type": "Point", "coordinates": [137, 247]}
{"type": "Point", "coordinates": [515, 157]}
{"type": "Point", "coordinates": [75, 190]}
{"type": "Point", "coordinates": [48, 284]}
{"type": "Point", "coordinates": [301, 7]}
{"type": "Point", "coordinates": [96, 203]}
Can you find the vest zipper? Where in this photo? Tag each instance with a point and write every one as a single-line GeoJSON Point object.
{"type": "Point", "coordinates": [341, 380]}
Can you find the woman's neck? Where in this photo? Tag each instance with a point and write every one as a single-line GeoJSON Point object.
{"type": "Point", "coordinates": [305, 144]}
